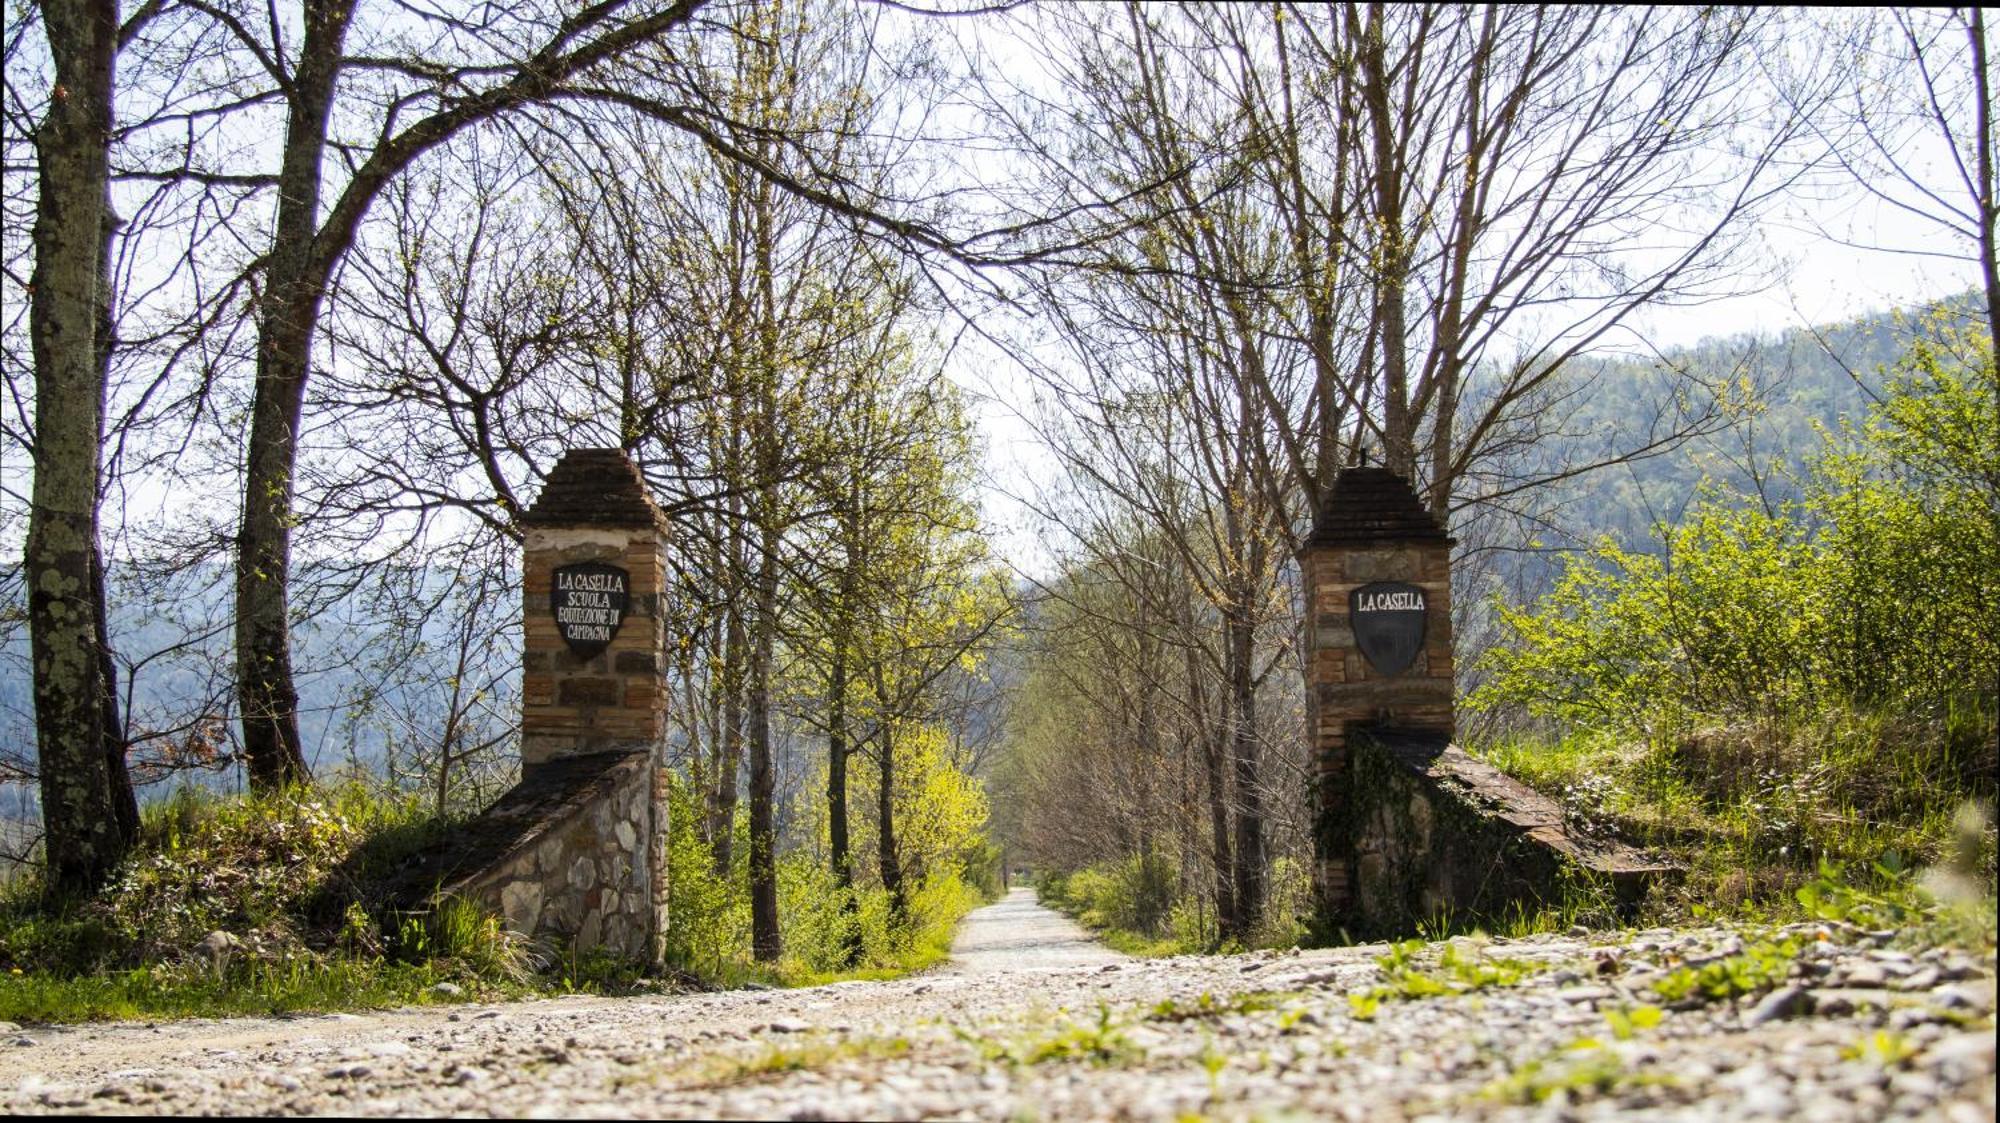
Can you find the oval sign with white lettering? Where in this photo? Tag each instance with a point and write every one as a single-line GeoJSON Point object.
{"type": "Point", "coordinates": [589, 601]}
{"type": "Point", "coordinates": [1388, 622]}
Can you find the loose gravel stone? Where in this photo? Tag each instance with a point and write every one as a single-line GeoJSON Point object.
{"type": "Point", "coordinates": [1033, 1020]}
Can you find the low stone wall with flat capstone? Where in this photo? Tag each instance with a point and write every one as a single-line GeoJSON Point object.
{"type": "Point", "coordinates": [562, 855]}
{"type": "Point", "coordinates": [1437, 834]}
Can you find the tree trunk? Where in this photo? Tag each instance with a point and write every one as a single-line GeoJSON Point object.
{"type": "Point", "coordinates": [722, 808]}
{"type": "Point", "coordinates": [1392, 264]}
{"type": "Point", "coordinates": [1986, 202]}
{"type": "Point", "coordinates": [1217, 775]}
{"type": "Point", "coordinates": [836, 788]}
{"type": "Point", "coordinates": [765, 941]}
{"type": "Point", "coordinates": [87, 811]}
{"type": "Point", "coordinates": [295, 284]}
{"type": "Point", "coordinates": [885, 830]}
{"type": "Point", "coordinates": [1244, 753]}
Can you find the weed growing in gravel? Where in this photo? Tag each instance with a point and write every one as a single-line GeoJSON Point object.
{"type": "Point", "coordinates": [1758, 967]}
{"type": "Point", "coordinates": [1213, 1061]}
{"type": "Point", "coordinates": [1885, 1047]}
{"type": "Point", "coordinates": [1102, 1043]}
{"type": "Point", "coordinates": [1628, 1022]}
{"type": "Point", "coordinates": [776, 1060]}
{"type": "Point", "coordinates": [1209, 1006]}
{"type": "Point", "coordinates": [1595, 1071]}
{"type": "Point", "coordinates": [1456, 973]}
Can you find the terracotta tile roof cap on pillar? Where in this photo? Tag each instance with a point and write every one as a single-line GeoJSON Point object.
{"type": "Point", "coordinates": [1373, 505]}
{"type": "Point", "coordinates": [594, 487]}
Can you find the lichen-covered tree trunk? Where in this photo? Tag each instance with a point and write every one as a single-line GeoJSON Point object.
{"type": "Point", "coordinates": [87, 810]}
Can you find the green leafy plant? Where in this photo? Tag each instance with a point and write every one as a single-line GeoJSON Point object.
{"type": "Point", "coordinates": [1625, 1023]}
{"type": "Point", "coordinates": [1757, 968]}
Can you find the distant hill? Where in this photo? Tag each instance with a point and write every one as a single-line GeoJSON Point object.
{"type": "Point", "coordinates": [356, 676]}
{"type": "Point", "coordinates": [1796, 384]}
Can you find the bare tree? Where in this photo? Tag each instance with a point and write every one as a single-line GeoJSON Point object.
{"type": "Point", "coordinates": [88, 809]}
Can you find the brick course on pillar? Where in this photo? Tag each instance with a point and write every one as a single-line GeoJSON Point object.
{"type": "Point", "coordinates": [594, 508]}
{"type": "Point", "coordinates": [1371, 529]}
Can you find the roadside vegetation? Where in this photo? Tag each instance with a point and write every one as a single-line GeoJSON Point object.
{"type": "Point", "coordinates": [255, 905]}
{"type": "Point", "coordinates": [1789, 694]}
{"type": "Point", "coordinates": [236, 905]}
{"type": "Point", "coordinates": [1784, 692]}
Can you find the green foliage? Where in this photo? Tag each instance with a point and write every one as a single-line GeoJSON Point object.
{"type": "Point", "coordinates": [709, 919]}
{"type": "Point", "coordinates": [289, 873]}
{"type": "Point", "coordinates": [292, 877]}
{"type": "Point", "coordinates": [1135, 894]}
{"type": "Point", "coordinates": [1872, 589]}
{"type": "Point", "coordinates": [1207, 1007]}
{"type": "Point", "coordinates": [1785, 683]}
{"type": "Point", "coordinates": [1759, 967]}
{"type": "Point", "coordinates": [1099, 1042]}
{"type": "Point", "coordinates": [1457, 972]}
{"type": "Point", "coordinates": [1143, 905]}
{"type": "Point", "coordinates": [709, 935]}
{"type": "Point", "coordinates": [178, 990]}
{"type": "Point", "coordinates": [1628, 1023]}
{"type": "Point", "coordinates": [1589, 1071]}
{"type": "Point", "coordinates": [1885, 1047]}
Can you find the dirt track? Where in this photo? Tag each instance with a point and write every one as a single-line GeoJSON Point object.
{"type": "Point", "coordinates": [1034, 1021]}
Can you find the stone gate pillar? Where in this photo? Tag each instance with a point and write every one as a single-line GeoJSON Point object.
{"type": "Point", "coordinates": [593, 683]}
{"type": "Point", "coordinates": [577, 850]}
{"type": "Point", "coordinates": [1376, 573]}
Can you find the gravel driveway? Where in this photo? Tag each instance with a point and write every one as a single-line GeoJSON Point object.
{"type": "Point", "coordinates": [1033, 1022]}
{"type": "Point", "coordinates": [1018, 934]}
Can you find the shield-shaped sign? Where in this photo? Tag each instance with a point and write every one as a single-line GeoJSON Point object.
{"type": "Point", "coordinates": [589, 601]}
{"type": "Point", "coordinates": [1388, 621]}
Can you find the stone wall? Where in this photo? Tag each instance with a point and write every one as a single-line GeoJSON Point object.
{"type": "Point", "coordinates": [564, 854]}
{"type": "Point", "coordinates": [1438, 834]}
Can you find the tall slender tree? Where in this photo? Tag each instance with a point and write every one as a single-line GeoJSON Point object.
{"type": "Point", "coordinates": [89, 813]}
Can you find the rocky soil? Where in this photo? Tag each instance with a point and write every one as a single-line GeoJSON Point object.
{"type": "Point", "coordinates": [1032, 1021]}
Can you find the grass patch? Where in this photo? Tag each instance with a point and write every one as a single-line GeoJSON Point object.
{"type": "Point", "coordinates": [777, 1060]}
{"type": "Point", "coordinates": [1102, 1042]}
{"type": "Point", "coordinates": [1844, 803]}
{"type": "Point", "coordinates": [294, 882]}
{"type": "Point", "coordinates": [170, 991]}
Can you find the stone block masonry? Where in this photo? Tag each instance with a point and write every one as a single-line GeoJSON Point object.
{"type": "Point", "coordinates": [577, 850]}
{"type": "Point", "coordinates": [1407, 827]}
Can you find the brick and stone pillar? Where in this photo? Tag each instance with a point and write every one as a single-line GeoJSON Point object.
{"type": "Point", "coordinates": [593, 683]}
{"type": "Point", "coordinates": [1376, 573]}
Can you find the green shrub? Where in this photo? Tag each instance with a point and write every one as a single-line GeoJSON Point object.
{"type": "Point", "coordinates": [1874, 590]}
{"type": "Point", "coordinates": [293, 877]}
{"type": "Point", "coordinates": [282, 871]}
{"type": "Point", "coordinates": [826, 933]}
{"type": "Point", "coordinates": [1781, 685]}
